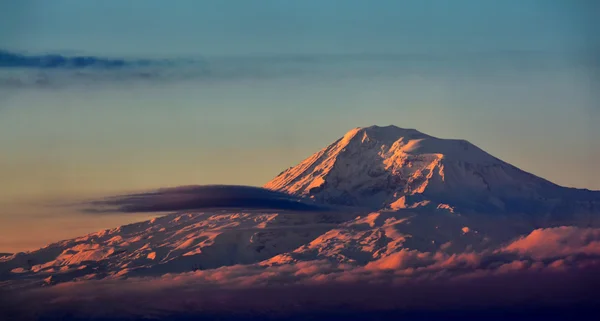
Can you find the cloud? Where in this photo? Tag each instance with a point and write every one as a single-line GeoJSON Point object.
{"type": "Point", "coordinates": [60, 70]}
{"type": "Point", "coordinates": [18, 70]}
{"type": "Point", "coordinates": [310, 288]}
{"type": "Point", "coordinates": [186, 198]}
{"type": "Point", "coordinates": [509, 280]}
{"type": "Point", "coordinates": [558, 242]}
{"type": "Point", "coordinates": [55, 61]}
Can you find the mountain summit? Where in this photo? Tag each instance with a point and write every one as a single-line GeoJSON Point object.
{"type": "Point", "coordinates": [395, 168]}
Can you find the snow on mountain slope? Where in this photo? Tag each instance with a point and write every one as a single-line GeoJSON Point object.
{"type": "Point", "coordinates": [185, 242]}
{"type": "Point", "coordinates": [394, 168]}
{"type": "Point", "coordinates": [171, 244]}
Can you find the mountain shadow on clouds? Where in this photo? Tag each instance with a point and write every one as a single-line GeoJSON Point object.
{"type": "Point", "coordinates": [199, 197]}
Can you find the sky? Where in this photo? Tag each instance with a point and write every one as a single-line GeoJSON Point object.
{"type": "Point", "coordinates": [234, 92]}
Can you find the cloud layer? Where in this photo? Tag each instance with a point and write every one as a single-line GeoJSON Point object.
{"type": "Point", "coordinates": [185, 198]}
{"type": "Point", "coordinates": [548, 270]}
{"type": "Point", "coordinates": [57, 71]}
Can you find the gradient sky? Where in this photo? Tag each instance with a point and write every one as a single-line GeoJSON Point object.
{"type": "Point", "coordinates": [516, 78]}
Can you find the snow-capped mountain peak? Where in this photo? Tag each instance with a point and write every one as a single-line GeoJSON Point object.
{"type": "Point", "coordinates": [392, 168]}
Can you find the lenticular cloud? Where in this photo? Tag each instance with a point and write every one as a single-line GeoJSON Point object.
{"type": "Point", "coordinates": [198, 197]}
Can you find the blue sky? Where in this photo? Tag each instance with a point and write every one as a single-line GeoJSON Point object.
{"type": "Point", "coordinates": [253, 87]}
{"type": "Point", "coordinates": [237, 27]}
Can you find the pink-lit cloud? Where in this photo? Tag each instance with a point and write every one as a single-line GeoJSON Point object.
{"type": "Point", "coordinates": [558, 242]}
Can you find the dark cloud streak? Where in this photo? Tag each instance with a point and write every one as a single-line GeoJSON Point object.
{"type": "Point", "coordinates": [56, 61]}
{"type": "Point", "coordinates": [186, 198]}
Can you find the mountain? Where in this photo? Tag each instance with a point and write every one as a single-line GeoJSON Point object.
{"type": "Point", "coordinates": [191, 241]}
{"type": "Point", "coordinates": [388, 190]}
{"type": "Point", "coordinates": [394, 168]}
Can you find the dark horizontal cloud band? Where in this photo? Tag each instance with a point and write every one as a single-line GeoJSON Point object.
{"type": "Point", "coordinates": [55, 61]}
{"type": "Point", "coordinates": [186, 198]}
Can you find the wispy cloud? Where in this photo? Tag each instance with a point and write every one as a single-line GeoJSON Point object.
{"type": "Point", "coordinates": [185, 198]}
{"type": "Point", "coordinates": [56, 61]}
{"type": "Point", "coordinates": [19, 70]}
